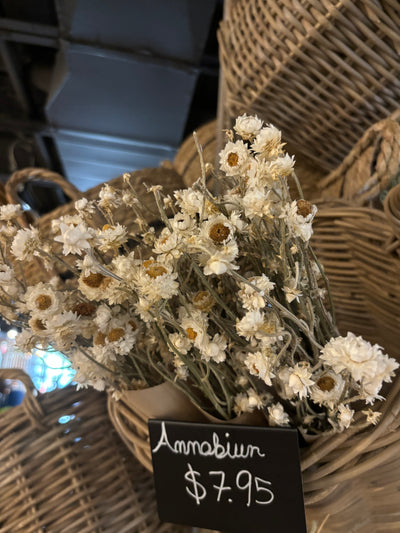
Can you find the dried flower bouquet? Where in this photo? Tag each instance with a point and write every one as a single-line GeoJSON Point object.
{"type": "Point", "coordinates": [227, 301]}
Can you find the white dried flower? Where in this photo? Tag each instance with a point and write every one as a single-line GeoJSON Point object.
{"type": "Point", "coordinates": [190, 201]}
{"type": "Point", "coordinates": [277, 416]}
{"type": "Point", "coordinates": [25, 243]}
{"type": "Point", "coordinates": [64, 328]}
{"type": "Point", "coordinates": [182, 371]}
{"type": "Point", "coordinates": [268, 142]}
{"type": "Point", "coordinates": [88, 265]}
{"type": "Point", "coordinates": [44, 299]}
{"type": "Point", "coordinates": [299, 216]}
{"type": "Point", "coordinates": [247, 402]}
{"type": "Point", "coordinates": [300, 379]}
{"type": "Point", "coordinates": [372, 416]}
{"type": "Point", "coordinates": [345, 416]}
{"type": "Point", "coordinates": [252, 299]}
{"type": "Point", "coordinates": [251, 325]}
{"type": "Point", "coordinates": [217, 229]}
{"type": "Point", "coordinates": [258, 364]}
{"type": "Point", "coordinates": [111, 237]}
{"type": "Point", "coordinates": [221, 260]}
{"type": "Point", "coordinates": [75, 239]}
{"type": "Point", "coordinates": [234, 158]}
{"type": "Point", "coordinates": [181, 343]}
{"type": "Point", "coordinates": [359, 357]}
{"type": "Point", "coordinates": [10, 212]}
{"type": "Point", "coordinates": [108, 197]}
{"type": "Point", "coordinates": [214, 349]}
{"type": "Point", "coordinates": [281, 166]}
{"type": "Point", "coordinates": [258, 202]}
{"type": "Point", "coordinates": [248, 126]}
{"type": "Point", "coordinates": [25, 341]}
{"type": "Point", "coordinates": [84, 206]}
{"type": "Point", "coordinates": [328, 388]}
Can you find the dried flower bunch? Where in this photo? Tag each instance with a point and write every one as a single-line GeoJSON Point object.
{"type": "Point", "coordinates": [226, 301]}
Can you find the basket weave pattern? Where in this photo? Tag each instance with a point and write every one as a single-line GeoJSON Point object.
{"type": "Point", "coordinates": [361, 258]}
{"type": "Point", "coordinates": [370, 169]}
{"type": "Point", "coordinates": [70, 474]}
{"type": "Point", "coordinates": [322, 71]}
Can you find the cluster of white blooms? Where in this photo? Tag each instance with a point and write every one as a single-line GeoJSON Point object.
{"type": "Point", "coordinates": [225, 299]}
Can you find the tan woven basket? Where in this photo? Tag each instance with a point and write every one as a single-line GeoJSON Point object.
{"type": "Point", "coordinates": [360, 252]}
{"type": "Point", "coordinates": [167, 177]}
{"type": "Point", "coordinates": [64, 469]}
{"type": "Point", "coordinates": [370, 169]}
{"type": "Point", "coordinates": [187, 161]}
{"type": "Point", "coordinates": [351, 480]}
{"type": "Point", "coordinates": [322, 71]}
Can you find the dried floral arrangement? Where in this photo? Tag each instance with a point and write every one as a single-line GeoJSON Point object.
{"type": "Point", "coordinates": [226, 301]}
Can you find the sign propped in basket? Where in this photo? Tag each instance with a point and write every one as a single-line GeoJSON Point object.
{"type": "Point", "coordinates": [227, 477]}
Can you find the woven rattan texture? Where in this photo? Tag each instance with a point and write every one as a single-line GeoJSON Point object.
{"type": "Point", "coordinates": [370, 169]}
{"type": "Point", "coordinates": [64, 469]}
{"type": "Point", "coordinates": [187, 160]}
{"type": "Point", "coordinates": [322, 71]}
{"type": "Point", "coordinates": [361, 258]}
{"type": "Point", "coordinates": [351, 479]}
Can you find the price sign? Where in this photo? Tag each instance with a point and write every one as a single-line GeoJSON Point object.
{"type": "Point", "coordinates": [227, 477]}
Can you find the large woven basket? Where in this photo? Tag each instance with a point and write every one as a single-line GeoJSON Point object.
{"type": "Point", "coordinates": [360, 252]}
{"type": "Point", "coordinates": [167, 177]}
{"type": "Point", "coordinates": [63, 469]}
{"type": "Point", "coordinates": [351, 480]}
{"type": "Point", "coordinates": [322, 71]}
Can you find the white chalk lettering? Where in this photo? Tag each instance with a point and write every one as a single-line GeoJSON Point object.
{"type": "Point", "coordinates": [205, 448]}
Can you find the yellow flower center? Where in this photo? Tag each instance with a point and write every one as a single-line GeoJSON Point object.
{"type": "Point", "coordinates": [219, 232]}
{"type": "Point", "coordinates": [106, 227]}
{"type": "Point", "coordinates": [93, 280]}
{"type": "Point", "coordinates": [84, 309]}
{"type": "Point", "coordinates": [100, 339]}
{"type": "Point", "coordinates": [115, 334]}
{"type": "Point", "coordinates": [39, 324]}
{"type": "Point", "coordinates": [191, 333]}
{"type": "Point", "coordinates": [304, 208]}
{"type": "Point", "coordinates": [155, 271]}
{"type": "Point", "coordinates": [232, 159]}
{"type": "Point", "coordinates": [326, 383]}
{"type": "Point", "coordinates": [203, 301]}
{"type": "Point", "coordinates": [43, 301]}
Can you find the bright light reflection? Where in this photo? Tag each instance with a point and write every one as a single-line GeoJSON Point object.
{"type": "Point", "coordinates": [12, 333]}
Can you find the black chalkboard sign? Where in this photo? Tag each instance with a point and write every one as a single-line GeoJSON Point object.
{"type": "Point", "coordinates": [232, 478]}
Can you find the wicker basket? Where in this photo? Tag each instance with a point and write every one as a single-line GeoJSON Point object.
{"type": "Point", "coordinates": [322, 71]}
{"type": "Point", "coordinates": [360, 252]}
{"type": "Point", "coordinates": [351, 480]}
{"type": "Point", "coordinates": [187, 161]}
{"type": "Point", "coordinates": [64, 469]}
{"type": "Point", "coordinates": [370, 169]}
{"type": "Point", "coordinates": [167, 177]}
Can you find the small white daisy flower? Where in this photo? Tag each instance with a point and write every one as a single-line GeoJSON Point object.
{"type": "Point", "coordinates": [277, 416]}
{"type": "Point", "coordinates": [234, 158]}
{"type": "Point", "coordinates": [248, 126]}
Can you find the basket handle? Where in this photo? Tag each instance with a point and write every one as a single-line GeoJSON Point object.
{"type": "Point", "coordinates": [391, 207]}
{"type": "Point", "coordinates": [30, 404]}
{"type": "Point", "coordinates": [18, 179]}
